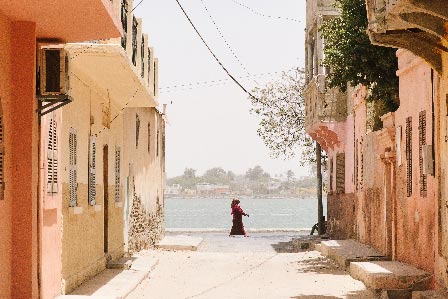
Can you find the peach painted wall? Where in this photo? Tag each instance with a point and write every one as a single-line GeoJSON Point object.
{"type": "Point", "coordinates": [24, 172]}
{"type": "Point", "coordinates": [417, 222]}
{"type": "Point", "coordinates": [5, 205]}
{"type": "Point", "coordinates": [51, 212]}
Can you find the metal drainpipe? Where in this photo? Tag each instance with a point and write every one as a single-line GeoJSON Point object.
{"type": "Point", "coordinates": [433, 123]}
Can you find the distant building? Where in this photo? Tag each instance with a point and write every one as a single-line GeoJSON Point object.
{"type": "Point", "coordinates": [174, 189]}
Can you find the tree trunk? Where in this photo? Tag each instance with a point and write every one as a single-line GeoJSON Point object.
{"type": "Point", "coordinates": [320, 206]}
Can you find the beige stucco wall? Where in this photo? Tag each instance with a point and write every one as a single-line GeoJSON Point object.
{"type": "Point", "coordinates": [83, 231]}
{"type": "Point", "coordinates": [145, 168]}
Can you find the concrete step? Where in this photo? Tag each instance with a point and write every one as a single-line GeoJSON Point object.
{"type": "Point", "coordinates": [124, 263]}
{"type": "Point", "coordinates": [180, 242]}
{"type": "Point", "coordinates": [346, 251]}
{"type": "Point", "coordinates": [430, 295]}
{"type": "Point", "coordinates": [390, 275]}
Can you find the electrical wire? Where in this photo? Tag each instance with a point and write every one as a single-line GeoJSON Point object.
{"type": "Point", "coordinates": [213, 54]}
{"type": "Point", "coordinates": [224, 39]}
{"type": "Point", "coordinates": [137, 5]}
{"type": "Point", "coordinates": [264, 15]}
{"type": "Point", "coordinates": [211, 83]}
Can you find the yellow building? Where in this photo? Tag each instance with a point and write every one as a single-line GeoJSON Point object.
{"type": "Point", "coordinates": [106, 146]}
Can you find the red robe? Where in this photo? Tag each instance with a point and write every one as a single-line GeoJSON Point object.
{"type": "Point", "coordinates": [237, 227]}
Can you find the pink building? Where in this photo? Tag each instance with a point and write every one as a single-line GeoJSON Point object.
{"type": "Point", "coordinates": [22, 213]}
{"type": "Point", "coordinates": [392, 179]}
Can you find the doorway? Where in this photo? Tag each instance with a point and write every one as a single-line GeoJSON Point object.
{"type": "Point", "coordinates": [106, 196]}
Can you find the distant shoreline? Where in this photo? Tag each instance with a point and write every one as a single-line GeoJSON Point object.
{"type": "Point", "coordinates": [305, 196]}
{"type": "Point", "coordinates": [251, 230]}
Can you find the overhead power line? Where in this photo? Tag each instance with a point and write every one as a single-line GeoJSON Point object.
{"type": "Point", "coordinates": [223, 38]}
{"type": "Point", "coordinates": [264, 15]}
{"type": "Point", "coordinates": [213, 54]}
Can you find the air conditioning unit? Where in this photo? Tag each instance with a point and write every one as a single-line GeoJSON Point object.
{"type": "Point", "coordinates": [52, 70]}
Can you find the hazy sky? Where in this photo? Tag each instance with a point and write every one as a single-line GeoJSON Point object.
{"type": "Point", "coordinates": [209, 123]}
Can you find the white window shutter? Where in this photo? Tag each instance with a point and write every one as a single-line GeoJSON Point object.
{"type": "Point", "coordinates": [73, 178]}
{"type": "Point", "coordinates": [92, 171]}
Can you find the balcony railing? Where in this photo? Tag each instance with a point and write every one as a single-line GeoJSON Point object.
{"type": "Point", "coordinates": [134, 40]}
{"type": "Point", "coordinates": [323, 104]}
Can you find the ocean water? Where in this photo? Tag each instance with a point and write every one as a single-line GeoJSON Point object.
{"type": "Point", "coordinates": [213, 214]}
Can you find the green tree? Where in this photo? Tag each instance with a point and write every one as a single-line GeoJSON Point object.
{"type": "Point", "coordinates": [352, 58]}
{"type": "Point", "coordinates": [189, 173]}
{"type": "Point", "coordinates": [281, 109]}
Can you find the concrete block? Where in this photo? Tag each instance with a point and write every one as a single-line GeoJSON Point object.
{"type": "Point", "coordinates": [180, 242]}
{"type": "Point", "coordinates": [123, 263]}
{"type": "Point", "coordinates": [389, 275]}
{"type": "Point", "coordinates": [346, 251]}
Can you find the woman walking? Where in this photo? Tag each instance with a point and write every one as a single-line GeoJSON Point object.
{"type": "Point", "coordinates": [238, 213]}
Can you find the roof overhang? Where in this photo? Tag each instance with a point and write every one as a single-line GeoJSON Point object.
{"type": "Point", "coordinates": [108, 67]}
{"type": "Point", "coordinates": [66, 20]}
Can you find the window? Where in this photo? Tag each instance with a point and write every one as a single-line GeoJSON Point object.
{"type": "Point", "coordinates": [149, 137]}
{"type": "Point", "coordinates": [409, 156]}
{"type": "Point", "coordinates": [157, 143]}
{"type": "Point", "coordinates": [355, 170]}
{"type": "Point", "coordinates": [92, 171]}
{"type": "Point", "coordinates": [331, 175]}
{"type": "Point", "coordinates": [73, 174]}
{"type": "Point", "coordinates": [149, 66]}
{"type": "Point", "coordinates": [142, 50]}
{"type": "Point", "coordinates": [137, 129]}
{"type": "Point", "coordinates": [124, 22]}
{"type": "Point", "coordinates": [421, 143]}
{"type": "Point", "coordinates": [117, 173]}
{"type": "Point", "coordinates": [52, 156]}
{"type": "Point", "coordinates": [340, 173]}
{"type": "Point", "coordinates": [134, 40]}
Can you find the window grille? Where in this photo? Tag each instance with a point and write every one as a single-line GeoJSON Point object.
{"type": "Point", "coordinates": [340, 173]}
{"type": "Point", "coordinates": [52, 156]}
{"type": "Point", "coordinates": [92, 171]}
{"type": "Point", "coordinates": [409, 156]}
{"type": "Point", "coordinates": [331, 175]}
{"type": "Point", "coordinates": [149, 137]}
{"type": "Point", "coordinates": [117, 173]}
{"type": "Point", "coordinates": [421, 142]}
{"type": "Point", "coordinates": [2, 156]}
{"type": "Point", "coordinates": [137, 129]}
{"type": "Point", "coordinates": [73, 172]}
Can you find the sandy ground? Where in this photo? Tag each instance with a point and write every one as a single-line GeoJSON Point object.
{"type": "Point", "coordinates": [262, 266]}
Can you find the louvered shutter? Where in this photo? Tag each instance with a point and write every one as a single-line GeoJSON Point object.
{"type": "Point", "coordinates": [52, 156]}
{"type": "Point", "coordinates": [73, 171]}
{"type": "Point", "coordinates": [55, 155]}
{"type": "Point", "coordinates": [2, 156]}
{"type": "Point", "coordinates": [421, 143]}
{"type": "Point", "coordinates": [409, 156]}
{"type": "Point", "coordinates": [340, 173]}
{"type": "Point", "coordinates": [117, 173]}
{"type": "Point", "coordinates": [92, 171]}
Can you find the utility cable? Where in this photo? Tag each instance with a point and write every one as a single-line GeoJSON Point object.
{"type": "Point", "coordinates": [264, 15]}
{"type": "Point", "coordinates": [224, 39]}
{"type": "Point", "coordinates": [213, 54]}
